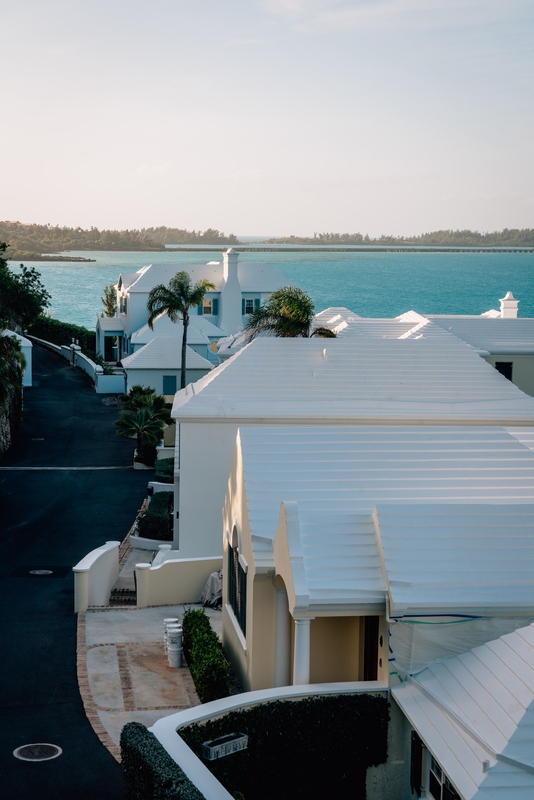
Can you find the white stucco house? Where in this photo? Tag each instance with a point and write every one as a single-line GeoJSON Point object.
{"type": "Point", "coordinates": [428, 379]}
{"type": "Point", "coordinates": [159, 364]}
{"type": "Point", "coordinates": [398, 555]}
{"type": "Point", "coordinates": [240, 287]}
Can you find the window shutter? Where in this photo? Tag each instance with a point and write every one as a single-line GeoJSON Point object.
{"type": "Point", "coordinates": [215, 306]}
{"type": "Point", "coordinates": [169, 384]}
{"type": "Point", "coordinates": [200, 310]}
{"type": "Point", "coordinates": [256, 303]}
{"type": "Point", "coordinates": [243, 306]}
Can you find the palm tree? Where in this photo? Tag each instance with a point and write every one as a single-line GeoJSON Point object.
{"type": "Point", "coordinates": [176, 299]}
{"type": "Point", "coordinates": [288, 312]}
{"type": "Point", "coordinates": [142, 424]}
{"type": "Point", "coordinates": [146, 397]}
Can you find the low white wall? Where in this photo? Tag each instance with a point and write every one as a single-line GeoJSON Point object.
{"type": "Point", "coordinates": [95, 576]}
{"type": "Point", "coordinates": [165, 452]}
{"type": "Point", "coordinates": [165, 730]}
{"type": "Point", "coordinates": [141, 543]}
{"type": "Point", "coordinates": [174, 581]}
{"type": "Point", "coordinates": [56, 348]}
{"type": "Point", "coordinates": [110, 384]}
{"type": "Point", "coordinates": [159, 486]}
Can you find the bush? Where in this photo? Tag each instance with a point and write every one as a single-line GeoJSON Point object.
{"type": "Point", "coordinates": [146, 454]}
{"type": "Point", "coordinates": [156, 521]}
{"type": "Point", "coordinates": [165, 470]}
{"type": "Point", "coordinates": [62, 333]}
{"type": "Point", "coordinates": [149, 771]}
{"type": "Point", "coordinates": [322, 746]}
{"type": "Point", "coordinates": [202, 649]}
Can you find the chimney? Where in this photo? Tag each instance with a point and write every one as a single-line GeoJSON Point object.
{"type": "Point", "coordinates": [230, 264]}
{"type": "Point", "coordinates": [509, 306]}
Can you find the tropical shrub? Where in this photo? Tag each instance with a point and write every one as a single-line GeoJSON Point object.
{"type": "Point", "coordinates": [62, 333]}
{"type": "Point", "coordinates": [164, 470]}
{"type": "Point", "coordinates": [204, 655]}
{"type": "Point", "coordinates": [155, 522]}
{"type": "Point", "coordinates": [319, 747]}
{"type": "Point", "coordinates": [149, 771]}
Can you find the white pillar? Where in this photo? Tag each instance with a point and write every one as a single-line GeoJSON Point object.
{"type": "Point", "coordinates": [509, 306]}
{"type": "Point", "coordinates": [142, 584]}
{"type": "Point", "coordinates": [301, 652]}
{"type": "Point", "coordinates": [282, 642]}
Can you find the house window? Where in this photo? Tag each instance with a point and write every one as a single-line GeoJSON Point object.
{"type": "Point", "coordinates": [169, 384]}
{"type": "Point", "coordinates": [439, 786]}
{"type": "Point", "coordinates": [505, 368]}
{"type": "Point", "coordinates": [209, 307]}
{"type": "Point", "coordinates": [250, 304]}
{"type": "Point", "coordinates": [237, 588]}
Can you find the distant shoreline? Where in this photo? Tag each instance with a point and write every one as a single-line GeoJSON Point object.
{"type": "Point", "coordinates": [262, 248]}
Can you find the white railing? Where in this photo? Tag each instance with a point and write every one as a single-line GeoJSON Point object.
{"type": "Point", "coordinates": [95, 576]}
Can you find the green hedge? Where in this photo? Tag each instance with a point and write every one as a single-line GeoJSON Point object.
{"type": "Point", "coordinates": [202, 649]}
{"type": "Point", "coordinates": [308, 749]}
{"type": "Point", "coordinates": [62, 333]}
{"type": "Point", "coordinates": [149, 771]}
{"type": "Point", "coordinates": [165, 470]}
{"type": "Point", "coordinates": [156, 521]}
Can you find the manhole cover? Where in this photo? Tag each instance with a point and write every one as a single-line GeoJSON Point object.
{"type": "Point", "coordinates": [41, 572]}
{"type": "Point", "coordinates": [37, 752]}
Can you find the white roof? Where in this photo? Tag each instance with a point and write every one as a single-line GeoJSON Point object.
{"type": "Point", "coordinates": [338, 470]}
{"type": "Point", "coordinates": [163, 326]}
{"type": "Point", "coordinates": [164, 352]}
{"type": "Point", "coordinates": [253, 276]}
{"type": "Point", "coordinates": [110, 324]}
{"type": "Point", "coordinates": [475, 707]}
{"type": "Point", "coordinates": [497, 336]}
{"type": "Point", "coordinates": [429, 379]}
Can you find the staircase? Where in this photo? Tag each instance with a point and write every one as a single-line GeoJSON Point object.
{"type": "Point", "coordinates": [122, 596]}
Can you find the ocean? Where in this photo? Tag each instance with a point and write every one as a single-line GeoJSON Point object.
{"type": "Point", "coordinates": [372, 284]}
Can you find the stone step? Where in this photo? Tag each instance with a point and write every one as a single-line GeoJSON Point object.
{"type": "Point", "coordinates": [123, 597]}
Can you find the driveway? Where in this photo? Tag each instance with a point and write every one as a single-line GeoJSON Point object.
{"type": "Point", "coordinates": [76, 491]}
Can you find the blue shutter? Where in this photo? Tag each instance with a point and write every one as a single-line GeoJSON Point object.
{"type": "Point", "coordinates": [256, 303]}
{"type": "Point", "coordinates": [200, 310]}
{"type": "Point", "coordinates": [169, 384]}
{"type": "Point", "coordinates": [243, 306]}
{"type": "Point", "coordinates": [215, 306]}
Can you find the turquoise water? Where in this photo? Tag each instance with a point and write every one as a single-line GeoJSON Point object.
{"type": "Point", "coordinates": [370, 284]}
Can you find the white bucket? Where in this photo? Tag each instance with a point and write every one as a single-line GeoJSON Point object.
{"type": "Point", "coordinates": [174, 654]}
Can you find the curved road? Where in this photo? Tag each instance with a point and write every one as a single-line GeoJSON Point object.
{"type": "Point", "coordinates": [49, 519]}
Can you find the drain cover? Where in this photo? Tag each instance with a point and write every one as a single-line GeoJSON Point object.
{"type": "Point", "coordinates": [37, 752]}
{"type": "Point", "coordinates": [41, 572]}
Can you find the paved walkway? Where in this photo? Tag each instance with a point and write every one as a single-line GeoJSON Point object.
{"type": "Point", "coordinates": [123, 672]}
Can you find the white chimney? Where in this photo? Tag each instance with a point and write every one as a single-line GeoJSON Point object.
{"type": "Point", "coordinates": [231, 316]}
{"type": "Point", "coordinates": [509, 306]}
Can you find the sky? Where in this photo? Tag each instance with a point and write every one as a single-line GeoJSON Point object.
{"type": "Point", "coordinates": [268, 117]}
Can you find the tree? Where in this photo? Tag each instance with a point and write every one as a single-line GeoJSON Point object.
{"type": "Point", "coordinates": [141, 423]}
{"type": "Point", "coordinates": [146, 397]}
{"type": "Point", "coordinates": [176, 299]}
{"type": "Point", "coordinates": [288, 312]}
{"type": "Point", "coordinates": [22, 297]}
{"type": "Point", "coordinates": [109, 301]}
{"type": "Point", "coordinates": [12, 363]}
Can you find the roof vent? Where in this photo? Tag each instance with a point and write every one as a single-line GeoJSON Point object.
{"type": "Point", "coordinates": [325, 353]}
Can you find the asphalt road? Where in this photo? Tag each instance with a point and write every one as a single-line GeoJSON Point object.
{"type": "Point", "coordinates": [50, 519]}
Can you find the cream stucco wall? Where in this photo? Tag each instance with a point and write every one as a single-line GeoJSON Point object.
{"type": "Point", "coordinates": [522, 370]}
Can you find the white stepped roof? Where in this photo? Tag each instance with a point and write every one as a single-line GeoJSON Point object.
{"type": "Point", "coordinates": [164, 352]}
{"type": "Point", "coordinates": [335, 563]}
{"type": "Point", "coordinates": [475, 707]}
{"type": "Point", "coordinates": [432, 379]}
{"type": "Point", "coordinates": [338, 470]}
{"type": "Point", "coordinates": [457, 558]}
{"type": "Point", "coordinates": [497, 336]}
{"type": "Point", "coordinates": [254, 276]}
{"type": "Point", "coordinates": [110, 324]}
{"type": "Point", "coordinates": [163, 326]}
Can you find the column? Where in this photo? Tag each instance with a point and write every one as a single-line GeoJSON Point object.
{"type": "Point", "coordinates": [301, 652]}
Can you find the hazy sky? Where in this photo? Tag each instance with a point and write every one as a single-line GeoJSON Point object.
{"type": "Point", "coordinates": [268, 116]}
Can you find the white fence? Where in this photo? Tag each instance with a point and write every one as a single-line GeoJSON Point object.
{"type": "Point", "coordinates": [95, 576]}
